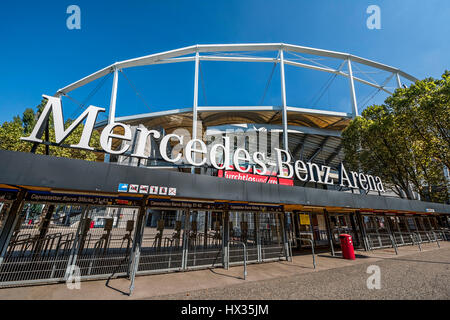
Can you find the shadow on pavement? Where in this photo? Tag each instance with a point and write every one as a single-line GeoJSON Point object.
{"type": "Point", "coordinates": [339, 256]}
{"type": "Point", "coordinates": [225, 275]}
{"type": "Point", "coordinates": [116, 289]}
{"type": "Point", "coordinates": [291, 264]}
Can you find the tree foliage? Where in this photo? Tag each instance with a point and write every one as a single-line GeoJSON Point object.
{"type": "Point", "coordinates": [12, 131]}
{"type": "Point", "coordinates": [406, 141]}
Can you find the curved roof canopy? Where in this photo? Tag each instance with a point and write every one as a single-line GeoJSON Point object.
{"type": "Point", "coordinates": [181, 55]}
{"type": "Point", "coordinates": [315, 134]}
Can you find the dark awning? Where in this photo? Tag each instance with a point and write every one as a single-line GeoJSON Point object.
{"type": "Point", "coordinates": [26, 169]}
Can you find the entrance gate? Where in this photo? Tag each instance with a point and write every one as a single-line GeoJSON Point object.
{"type": "Point", "coordinates": [377, 231]}
{"type": "Point", "coordinates": [271, 228]}
{"type": "Point", "coordinates": [50, 237]}
{"type": "Point", "coordinates": [386, 230]}
{"type": "Point", "coordinates": [244, 228]}
{"type": "Point", "coordinates": [203, 241]}
{"type": "Point", "coordinates": [344, 223]}
{"type": "Point", "coordinates": [163, 241]}
{"type": "Point", "coordinates": [104, 241]}
{"type": "Point", "coordinates": [96, 237]}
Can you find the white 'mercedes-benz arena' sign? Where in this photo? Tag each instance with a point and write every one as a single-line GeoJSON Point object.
{"type": "Point", "coordinates": [195, 151]}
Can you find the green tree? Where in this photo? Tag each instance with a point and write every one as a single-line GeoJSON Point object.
{"type": "Point", "coordinates": [423, 112]}
{"type": "Point", "coordinates": [406, 140]}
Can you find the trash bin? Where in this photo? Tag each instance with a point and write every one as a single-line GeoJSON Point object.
{"type": "Point", "coordinates": [347, 246]}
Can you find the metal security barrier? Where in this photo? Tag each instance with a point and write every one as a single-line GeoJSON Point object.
{"type": "Point", "coordinates": [271, 237]}
{"type": "Point", "coordinates": [52, 242]}
{"type": "Point", "coordinates": [388, 240]}
{"type": "Point", "coordinates": [403, 238]}
{"type": "Point", "coordinates": [310, 240]}
{"type": "Point", "coordinates": [104, 241]}
{"type": "Point", "coordinates": [446, 234]}
{"type": "Point", "coordinates": [378, 240]}
{"type": "Point", "coordinates": [40, 244]}
{"type": "Point", "coordinates": [49, 240]}
{"type": "Point", "coordinates": [381, 240]}
{"type": "Point", "coordinates": [204, 246]}
{"type": "Point", "coordinates": [164, 242]}
{"type": "Point", "coordinates": [416, 240]}
{"type": "Point", "coordinates": [244, 255]}
{"type": "Point", "coordinates": [243, 227]}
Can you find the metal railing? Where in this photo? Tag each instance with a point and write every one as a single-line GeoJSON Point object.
{"type": "Point", "coordinates": [381, 237]}
{"type": "Point", "coordinates": [311, 240]}
{"type": "Point", "coordinates": [401, 238]}
{"type": "Point", "coordinates": [245, 255]}
{"type": "Point", "coordinates": [305, 239]}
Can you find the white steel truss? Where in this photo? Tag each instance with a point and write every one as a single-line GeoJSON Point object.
{"type": "Point", "coordinates": [234, 53]}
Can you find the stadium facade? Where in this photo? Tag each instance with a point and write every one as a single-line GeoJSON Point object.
{"type": "Point", "coordinates": [189, 188]}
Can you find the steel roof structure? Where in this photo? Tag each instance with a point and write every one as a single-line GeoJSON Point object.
{"type": "Point", "coordinates": [313, 134]}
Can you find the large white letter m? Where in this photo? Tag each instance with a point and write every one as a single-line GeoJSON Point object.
{"type": "Point", "coordinates": [54, 105]}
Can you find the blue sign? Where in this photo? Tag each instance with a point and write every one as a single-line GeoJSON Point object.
{"type": "Point", "coordinates": [123, 187]}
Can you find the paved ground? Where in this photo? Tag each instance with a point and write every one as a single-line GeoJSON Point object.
{"type": "Point", "coordinates": [410, 275]}
{"type": "Point", "coordinates": [419, 276]}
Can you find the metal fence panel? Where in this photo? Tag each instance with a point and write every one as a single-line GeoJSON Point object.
{"type": "Point", "coordinates": [105, 240]}
{"type": "Point", "coordinates": [162, 241]}
{"type": "Point", "coordinates": [41, 243]}
{"type": "Point", "coordinates": [272, 246]}
{"type": "Point", "coordinates": [243, 228]}
{"type": "Point", "coordinates": [204, 240]}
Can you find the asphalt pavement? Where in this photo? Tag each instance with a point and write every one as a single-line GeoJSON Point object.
{"type": "Point", "coordinates": [412, 274]}
{"type": "Point", "coordinates": [424, 275]}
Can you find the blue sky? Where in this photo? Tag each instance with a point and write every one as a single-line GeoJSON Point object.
{"type": "Point", "coordinates": [40, 55]}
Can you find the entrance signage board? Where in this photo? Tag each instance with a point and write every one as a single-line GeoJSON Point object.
{"type": "Point", "coordinates": [170, 204]}
{"type": "Point", "coordinates": [160, 203]}
{"type": "Point", "coordinates": [84, 199]}
{"type": "Point", "coordinates": [195, 151]}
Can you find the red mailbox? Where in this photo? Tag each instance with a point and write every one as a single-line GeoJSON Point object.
{"type": "Point", "coordinates": [347, 246]}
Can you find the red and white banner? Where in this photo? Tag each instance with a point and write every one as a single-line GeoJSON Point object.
{"type": "Point", "coordinates": [272, 178]}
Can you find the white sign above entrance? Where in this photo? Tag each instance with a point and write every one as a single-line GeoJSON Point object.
{"type": "Point", "coordinates": [195, 151]}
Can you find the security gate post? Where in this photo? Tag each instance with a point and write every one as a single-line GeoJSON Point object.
{"type": "Point", "coordinates": [258, 236]}
{"type": "Point", "coordinates": [10, 223]}
{"type": "Point", "coordinates": [353, 224]}
{"type": "Point", "coordinates": [225, 240]}
{"type": "Point", "coordinates": [187, 229]}
{"type": "Point", "coordinates": [76, 243]}
{"type": "Point", "coordinates": [43, 229]}
{"type": "Point", "coordinates": [136, 251]}
{"type": "Point", "coordinates": [284, 225]}
{"type": "Point", "coordinates": [362, 227]}
{"type": "Point", "coordinates": [330, 235]}
{"type": "Point", "coordinates": [390, 228]}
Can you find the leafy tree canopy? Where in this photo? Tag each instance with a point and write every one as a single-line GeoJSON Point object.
{"type": "Point", "coordinates": [406, 141]}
